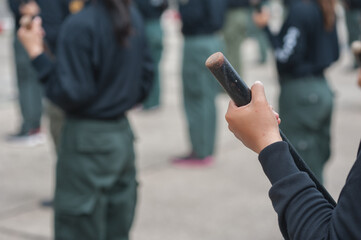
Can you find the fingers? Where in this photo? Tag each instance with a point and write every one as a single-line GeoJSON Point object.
{"type": "Point", "coordinates": [258, 93]}
{"type": "Point", "coordinates": [37, 22]}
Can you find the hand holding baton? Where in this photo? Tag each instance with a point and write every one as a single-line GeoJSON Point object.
{"type": "Point", "coordinates": [241, 95]}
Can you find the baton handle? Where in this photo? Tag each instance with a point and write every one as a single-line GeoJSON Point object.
{"type": "Point", "coordinates": [240, 93]}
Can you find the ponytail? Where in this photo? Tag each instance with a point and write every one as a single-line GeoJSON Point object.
{"type": "Point", "coordinates": [120, 14]}
{"type": "Point", "coordinates": [328, 12]}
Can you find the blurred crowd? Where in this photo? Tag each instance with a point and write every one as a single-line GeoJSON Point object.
{"type": "Point", "coordinates": [85, 63]}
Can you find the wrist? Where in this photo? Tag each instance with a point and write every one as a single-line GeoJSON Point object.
{"type": "Point", "coordinates": [35, 52]}
{"type": "Point", "coordinates": [269, 141]}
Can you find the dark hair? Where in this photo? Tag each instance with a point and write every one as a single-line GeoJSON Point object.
{"type": "Point", "coordinates": [120, 14]}
{"type": "Point", "coordinates": [328, 12]}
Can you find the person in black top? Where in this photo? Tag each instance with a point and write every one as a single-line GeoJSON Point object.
{"type": "Point", "coordinates": [303, 212]}
{"type": "Point", "coordinates": [29, 88]}
{"type": "Point", "coordinates": [152, 11]}
{"type": "Point", "coordinates": [304, 48]}
{"type": "Point", "coordinates": [202, 20]}
{"type": "Point", "coordinates": [102, 70]}
{"type": "Point", "coordinates": [238, 25]}
{"type": "Point", "coordinates": [353, 20]}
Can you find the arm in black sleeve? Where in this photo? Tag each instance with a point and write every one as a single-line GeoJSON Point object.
{"type": "Point", "coordinates": [70, 83]}
{"type": "Point", "coordinates": [303, 212]}
{"type": "Point", "coordinates": [14, 6]}
{"type": "Point", "coordinates": [290, 44]}
{"type": "Point", "coordinates": [15, 9]}
{"type": "Point", "coordinates": [353, 4]}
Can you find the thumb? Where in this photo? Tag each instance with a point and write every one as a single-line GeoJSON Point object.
{"type": "Point", "coordinates": [258, 94]}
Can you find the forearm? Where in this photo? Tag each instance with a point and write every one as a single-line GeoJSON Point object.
{"type": "Point", "coordinates": [302, 210]}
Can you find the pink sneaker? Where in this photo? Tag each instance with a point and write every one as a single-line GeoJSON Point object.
{"type": "Point", "coordinates": [192, 161]}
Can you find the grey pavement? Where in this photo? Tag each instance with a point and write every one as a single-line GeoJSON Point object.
{"type": "Point", "coordinates": [227, 201]}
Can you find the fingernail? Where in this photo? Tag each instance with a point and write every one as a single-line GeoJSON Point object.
{"type": "Point", "coordinates": [258, 82]}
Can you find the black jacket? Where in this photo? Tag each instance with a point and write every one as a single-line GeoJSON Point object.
{"type": "Point", "coordinates": [303, 47]}
{"type": "Point", "coordinates": [94, 77]}
{"type": "Point", "coordinates": [151, 9]}
{"type": "Point", "coordinates": [201, 17]}
{"type": "Point", "coordinates": [303, 212]}
{"type": "Point", "coordinates": [244, 3]}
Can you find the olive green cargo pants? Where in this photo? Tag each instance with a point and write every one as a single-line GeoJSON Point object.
{"type": "Point", "coordinates": [95, 192]}
{"type": "Point", "coordinates": [305, 107]}
{"type": "Point", "coordinates": [235, 32]}
{"type": "Point", "coordinates": [199, 92]}
{"type": "Point", "coordinates": [154, 34]}
{"type": "Point", "coordinates": [30, 90]}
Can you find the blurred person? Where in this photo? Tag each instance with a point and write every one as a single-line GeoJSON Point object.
{"type": "Point", "coordinates": [202, 20]}
{"type": "Point", "coordinates": [353, 23]}
{"type": "Point", "coordinates": [53, 14]}
{"type": "Point", "coordinates": [258, 35]}
{"type": "Point", "coordinates": [235, 30]}
{"type": "Point", "coordinates": [303, 212]}
{"type": "Point", "coordinates": [102, 69]}
{"type": "Point", "coordinates": [152, 11]}
{"type": "Point", "coordinates": [29, 89]}
{"type": "Point", "coordinates": [304, 49]}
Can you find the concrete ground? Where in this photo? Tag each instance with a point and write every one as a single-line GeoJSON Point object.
{"type": "Point", "coordinates": [227, 201]}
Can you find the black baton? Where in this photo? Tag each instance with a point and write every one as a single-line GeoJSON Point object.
{"type": "Point", "coordinates": [241, 95]}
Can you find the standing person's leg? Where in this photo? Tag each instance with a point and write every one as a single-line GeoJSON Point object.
{"type": "Point", "coordinates": [260, 37]}
{"type": "Point", "coordinates": [30, 94]}
{"type": "Point", "coordinates": [305, 107]}
{"type": "Point", "coordinates": [95, 192]}
{"type": "Point", "coordinates": [199, 92]}
{"type": "Point", "coordinates": [353, 28]}
{"type": "Point", "coordinates": [155, 39]}
{"type": "Point", "coordinates": [56, 121]}
{"type": "Point", "coordinates": [234, 32]}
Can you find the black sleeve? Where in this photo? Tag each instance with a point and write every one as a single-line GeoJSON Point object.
{"type": "Point", "coordinates": [14, 7]}
{"type": "Point", "coordinates": [69, 82]}
{"type": "Point", "coordinates": [303, 212]}
{"type": "Point", "coordinates": [352, 4]}
{"type": "Point", "coordinates": [291, 43]}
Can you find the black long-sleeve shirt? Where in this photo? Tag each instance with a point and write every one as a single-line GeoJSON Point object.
{"type": "Point", "coordinates": [303, 47]}
{"type": "Point", "coordinates": [94, 77]}
{"type": "Point", "coordinates": [151, 9]}
{"type": "Point", "coordinates": [202, 17]}
{"type": "Point", "coordinates": [353, 4]}
{"type": "Point", "coordinates": [243, 3]}
{"type": "Point", "coordinates": [303, 212]}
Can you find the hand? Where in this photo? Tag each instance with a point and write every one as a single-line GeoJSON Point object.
{"type": "Point", "coordinates": [255, 124]}
{"type": "Point", "coordinates": [30, 8]}
{"type": "Point", "coordinates": [261, 19]}
{"type": "Point", "coordinates": [32, 38]}
{"type": "Point", "coordinates": [359, 78]}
